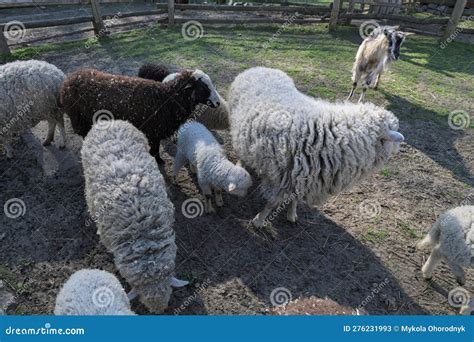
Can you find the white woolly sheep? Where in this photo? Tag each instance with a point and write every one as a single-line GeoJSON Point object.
{"type": "Point", "coordinates": [91, 292]}
{"type": "Point", "coordinates": [212, 118]}
{"type": "Point", "coordinates": [207, 157]}
{"type": "Point", "coordinates": [30, 93]}
{"type": "Point", "coordinates": [374, 55]}
{"type": "Point", "coordinates": [126, 193]}
{"type": "Point", "coordinates": [451, 238]}
{"type": "Point", "coordinates": [305, 149]}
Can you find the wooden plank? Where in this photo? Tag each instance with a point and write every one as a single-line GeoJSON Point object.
{"type": "Point", "coordinates": [454, 20]}
{"type": "Point", "coordinates": [97, 22]}
{"type": "Point", "coordinates": [250, 21]}
{"type": "Point", "coordinates": [395, 17]}
{"type": "Point", "coordinates": [171, 7]}
{"type": "Point", "coordinates": [4, 49]}
{"type": "Point", "coordinates": [336, 5]}
{"type": "Point", "coordinates": [299, 9]}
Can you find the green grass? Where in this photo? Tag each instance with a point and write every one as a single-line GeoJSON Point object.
{"type": "Point", "coordinates": [427, 83]}
{"type": "Point", "coordinates": [385, 172]}
{"type": "Point", "coordinates": [376, 235]}
{"type": "Point", "coordinates": [408, 230]}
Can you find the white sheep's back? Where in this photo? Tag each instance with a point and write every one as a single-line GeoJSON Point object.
{"type": "Point", "coordinates": [126, 196]}
{"type": "Point", "coordinates": [302, 144]}
{"type": "Point", "coordinates": [29, 92]}
{"type": "Point", "coordinates": [457, 235]}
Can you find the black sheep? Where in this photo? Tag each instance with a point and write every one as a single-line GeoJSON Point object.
{"type": "Point", "coordinates": [157, 109]}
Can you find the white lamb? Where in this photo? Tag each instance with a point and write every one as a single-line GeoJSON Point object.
{"type": "Point", "coordinates": [90, 293]}
{"type": "Point", "coordinates": [207, 157]}
{"type": "Point", "coordinates": [212, 118]}
{"type": "Point", "coordinates": [305, 149]}
{"type": "Point", "coordinates": [126, 193]}
{"type": "Point", "coordinates": [451, 238]}
{"type": "Point", "coordinates": [29, 91]}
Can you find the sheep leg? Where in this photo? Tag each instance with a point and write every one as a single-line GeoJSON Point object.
{"type": "Point", "coordinates": [179, 161]}
{"type": "Point", "coordinates": [155, 150]}
{"type": "Point", "coordinates": [50, 135]}
{"type": "Point", "coordinates": [8, 150]}
{"type": "Point", "coordinates": [354, 86]}
{"type": "Point", "coordinates": [458, 272]}
{"type": "Point", "coordinates": [62, 132]}
{"type": "Point", "coordinates": [207, 192]}
{"type": "Point", "coordinates": [291, 215]}
{"type": "Point", "coordinates": [218, 197]}
{"type": "Point", "coordinates": [377, 80]}
{"type": "Point", "coordinates": [259, 220]}
{"type": "Point", "coordinates": [433, 260]}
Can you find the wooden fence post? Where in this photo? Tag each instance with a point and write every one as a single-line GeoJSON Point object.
{"type": "Point", "coordinates": [170, 13]}
{"type": "Point", "coordinates": [336, 6]}
{"type": "Point", "coordinates": [4, 49]}
{"type": "Point", "coordinates": [97, 22]}
{"type": "Point", "coordinates": [454, 20]}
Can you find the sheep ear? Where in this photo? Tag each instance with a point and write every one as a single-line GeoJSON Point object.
{"type": "Point", "coordinates": [232, 187]}
{"type": "Point", "coordinates": [178, 283]}
{"type": "Point", "coordinates": [394, 136]}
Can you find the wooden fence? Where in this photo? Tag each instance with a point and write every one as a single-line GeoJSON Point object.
{"type": "Point", "coordinates": [334, 13]}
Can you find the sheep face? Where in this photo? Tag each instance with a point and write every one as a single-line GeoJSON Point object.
{"type": "Point", "coordinates": [203, 91]}
{"type": "Point", "coordinates": [239, 182]}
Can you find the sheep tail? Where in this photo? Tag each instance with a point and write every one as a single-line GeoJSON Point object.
{"type": "Point", "coordinates": [431, 239]}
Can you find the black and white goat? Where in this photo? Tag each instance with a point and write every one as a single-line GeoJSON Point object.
{"type": "Point", "coordinates": [374, 56]}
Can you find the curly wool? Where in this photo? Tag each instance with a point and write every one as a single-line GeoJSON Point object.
{"type": "Point", "coordinates": [91, 292]}
{"type": "Point", "coordinates": [453, 234]}
{"type": "Point", "coordinates": [212, 118]}
{"type": "Point", "coordinates": [29, 91]}
{"type": "Point", "coordinates": [198, 145]}
{"type": "Point", "coordinates": [126, 192]}
{"type": "Point", "coordinates": [302, 146]}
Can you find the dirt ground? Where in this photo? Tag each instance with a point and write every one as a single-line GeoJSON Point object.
{"type": "Point", "coordinates": [357, 250]}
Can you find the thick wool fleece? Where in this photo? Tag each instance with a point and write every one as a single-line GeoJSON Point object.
{"type": "Point", "coordinates": [305, 147]}
{"type": "Point", "coordinates": [198, 145]}
{"type": "Point", "coordinates": [29, 91]}
{"type": "Point", "coordinates": [157, 109]}
{"type": "Point", "coordinates": [451, 238]}
{"type": "Point", "coordinates": [212, 118]}
{"type": "Point", "coordinates": [91, 292]}
{"type": "Point", "coordinates": [126, 192]}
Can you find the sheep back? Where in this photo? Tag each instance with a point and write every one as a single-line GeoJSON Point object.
{"type": "Point", "coordinates": [30, 93]}
{"type": "Point", "coordinates": [92, 292]}
{"type": "Point", "coordinates": [457, 235]}
{"type": "Point", "coordinates": [126, 193]}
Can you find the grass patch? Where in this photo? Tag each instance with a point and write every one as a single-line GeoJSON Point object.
{"type": "Point", "coordinates": [385, 172]}
{"type": "Point", "coordinates": [408, 230]}
{"type": "Point", "coordinates": [375, 234]}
